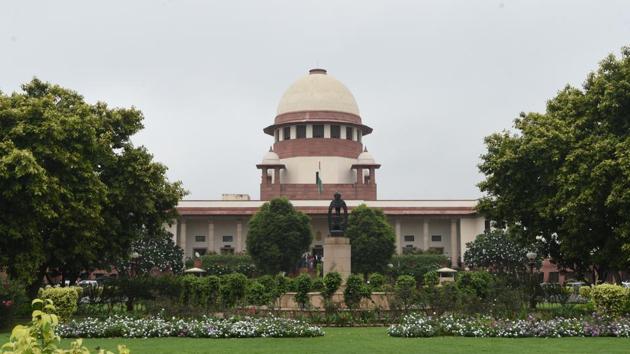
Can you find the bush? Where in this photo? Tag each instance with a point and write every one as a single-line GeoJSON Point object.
{"type": "Point", "coordinates": [610, 299]}
{"type": "Point", "coordinates": [65, 300]}
{"type": "Point", "coordinates": [585, 292]}
{"type": "Point", "coordinates": [431, 278]}
{"type": "Point", "coordinates": [332, 282]}
{"type": "Point", "coordinates": [12, 297]}
{"type": "Point", "coordinates": [355, 290]}
{"type": "Point", "coordinates": [40, 336]}
{"type": "Point", "coordinates": [479, 284]}
{"type": "Point", "coordinates": [318, 284]}
{"type": "Point", "coordinates": [233, 289]}
{"type": "Point", "coordinates": [405, 290]}
{"type": "Point", "coordinates": [303, 284]}
{"type": "Point", "coordinates": [222, 264]}
{"type": "Point", "coordinates": [377, 281]}
{"type": "Point", "coordinates": [417, 265]}
{"type": "Point", "coordinates": [257, 294]}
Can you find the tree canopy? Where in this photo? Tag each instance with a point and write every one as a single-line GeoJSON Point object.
{"type": "Point", "coordinates": [372, 240]}
{"type": "Point", "coordinates": [497, 252]}
{"type": "Point", "coordinates": [277, 236]}
{"type": "Point", "coordinates": [563, 178]}
{"type": "Point", "coordinates": [75, 192]}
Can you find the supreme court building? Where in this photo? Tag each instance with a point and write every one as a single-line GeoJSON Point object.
{"type": "Point", "coordinates": [318, 131]}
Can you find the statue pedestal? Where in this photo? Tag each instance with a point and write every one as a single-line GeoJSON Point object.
{"type": "Point", "coordinates": [337, 253]}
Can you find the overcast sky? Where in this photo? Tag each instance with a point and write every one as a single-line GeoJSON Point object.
{"type": "Point", "coordinates": [432, 78]}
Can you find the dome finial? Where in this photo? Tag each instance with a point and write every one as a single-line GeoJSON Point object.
{"type": "Point", "coordinates": [270, 148]}
{"type": "Point", "coordinates": [365, 148]}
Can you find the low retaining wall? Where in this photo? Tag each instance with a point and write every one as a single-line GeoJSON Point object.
{"type": "Point", "coordinates": [379, 300]}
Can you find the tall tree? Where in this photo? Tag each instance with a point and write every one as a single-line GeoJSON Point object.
{"type": "Point", "coordinates": [372, 240]}
{"type": "Point", "coordinates": [563, 179]}
{"type": "Point", "coordinates": [75, 191]}
{"type": "Point", "coordinates": [277, 236]}
{"type": "Point", "coordinates": [497, 252]}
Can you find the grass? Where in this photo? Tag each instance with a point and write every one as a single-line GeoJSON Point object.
{"type": "Point", "coordinates": [363, 341]}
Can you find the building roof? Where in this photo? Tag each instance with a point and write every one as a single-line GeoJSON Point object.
{"type": "Point", "coordinates": [320, 207]}
{"type": "Point", "coordinates": [318, 91]}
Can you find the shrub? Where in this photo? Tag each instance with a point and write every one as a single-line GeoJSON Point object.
{"type": "Point", "coordinates": [377, 281]}
{"type": "Point", "coordinates": [12, 297]}
{"type": "Point", "coordinates": [233, 289]}
{"type": "Point", "coordinates": [318, 284]}
{"type": "Point", "coordinates": [40, 336]}
{"type": "Point", "coordinates": [303, 285]}
{"type": "Point", "coordinates": [405, 290]}
{"type": "Point", "coordinates": [222, 264]}
{"type": "Point", "coordinates": [355, 290]}
{"type": "Point", "coordinates": [257, 294]}
{"type": "Point", "coordinates": [65, 300]}
{"type": "Point", "coordinates": [416, 265]}
{"type": "Point", "coordinates": [610, 299]}
{"type": "Point", "coordinates": [332, 282]}
{"type": "Point", "coordinates": [585, 292]}
{"type": "Point", "coordinates": [431, 278]}
{"type": "Point", "coordinates": [479, 283]}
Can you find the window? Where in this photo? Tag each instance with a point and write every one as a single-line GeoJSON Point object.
{"type": "Point", "coordinates": [436, 238]}
{"type": "Point", "coordinates": [349, 133]}
{"type": "Point", "coordinates": [335, 131]}
{"type": "Point", "coordinates": [228, 238]}
{"type": "Point", "coordinates": [200, 251]}
{"type": "Point", "coordinates": [409, 238]}
{"type": "Point", "coordinates": [318, 130]}
{"type": "Point", "coordinates": [300, 131]}
{"type": "Point", "coordinates": [200, 238]}
{"type": "Point", "coordinates": [286, 133]}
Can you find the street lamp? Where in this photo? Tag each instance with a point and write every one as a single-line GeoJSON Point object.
{"type": "Point", "coordinates": [531, 256]}
{"type": "Point", "coordinates": [134, 262]}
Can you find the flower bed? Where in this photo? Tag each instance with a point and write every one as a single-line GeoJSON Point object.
{"type": "Point", "coordinates": [122, 326]}
{"type": "Point", "coordinates": [416, 325]}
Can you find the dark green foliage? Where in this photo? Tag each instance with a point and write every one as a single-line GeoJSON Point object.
{"type": "Point", "coordinates": [355, 290]}
{"type": "Point", "coordinates": [76, 192]}
{"type": "Point", "coordinates": [431, 278]}
{"type": "Point", "coordinates": [233, 289]}
{"type": "Point", "coordinates": [479, 284]}
{"type": "Point", "coordinates": [12, 298]}
{"type": "Point", "coordinates": [332, 282]}
{"type": "Point", "coordinates": [497, 252]}
{"type": "Point", "coordinates": [257, 294]}
{"type": "Point", "coordinates": [277, 237]}
{"type": "Point", "coordinates": [562, 178]}
{"type": "Point", "coordinates": [377, 281]}
{"type": "Point", "coordinates": [417, 265]}
{"type": "Point", "coordinates": [372, 239]}
{"type": "Point", "coordinates": [303, 284]}
{"type": "Point", "coordinates": [318, 284]}
{"type": "Point", "coordinates": [405, 290]}
{"type": "Point", "coordinates": [221, 264]}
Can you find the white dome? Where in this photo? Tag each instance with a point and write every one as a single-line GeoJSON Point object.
{"type": "Point", "coordinates": [270, 158]}
{"type": "Point", "coordinates": [318, 92]}
{"type": "Point", "coordinates": [365, 158]}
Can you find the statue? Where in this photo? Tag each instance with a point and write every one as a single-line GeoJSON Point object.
{"type": "Point", "coordinates": [336, 221]}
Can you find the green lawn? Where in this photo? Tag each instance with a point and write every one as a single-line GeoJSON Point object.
{"type": "Point", "coordinates": [365, 341]}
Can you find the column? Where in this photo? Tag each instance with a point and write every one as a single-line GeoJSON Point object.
{"type": "Point", "coordinates": [183, 236]}
{"type": "Point", "coordinates": [239, 237]}
{"type": "Point", "coordinates": [359, 176]}
{"type": "Point", "coordinates": [210, 237]}
{"type": "Point", "coordinates": [454, 256]}
{"type": "Point", "coordinates": [398, 232]}
{"type": "Point", "coordinates": [276, 176]}
{"type": "Point", "coordinates": [264, 176]}
{"type": "Point", "coordinates": [372, 175]}
{"type": "Point", "coordinates": [425, 234]}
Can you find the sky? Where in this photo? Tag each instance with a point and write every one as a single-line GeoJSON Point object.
{"type": "Point", "coordinates": [433, 78]}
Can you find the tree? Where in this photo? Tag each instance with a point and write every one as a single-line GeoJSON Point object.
{"type": "Point", "coordinates": [563, 179]}
{"type": "Point", "coordinates": [75, 191]}
{"type": "Point", "coordinates": [155, 252]}
{"type": "Point", "coordinates": [278, 235]}
{"type": "Point", "coordinates": [497, 252]}
{"type": "Point", "coordinates": [372, 240]}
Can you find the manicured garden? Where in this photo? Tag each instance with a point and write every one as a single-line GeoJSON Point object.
{"type": "Point", "coordinates": [361, 340]}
